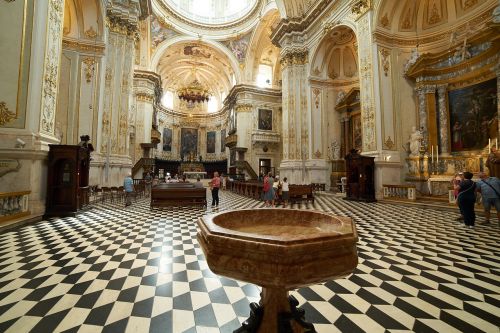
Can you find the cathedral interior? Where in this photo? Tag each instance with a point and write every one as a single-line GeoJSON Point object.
{"type": "Point", "coordinates": [300, 89]}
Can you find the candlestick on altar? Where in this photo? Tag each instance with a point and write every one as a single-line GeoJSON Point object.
{"type": "Point", "coordinates": [489, 146]}
{"type": "Point", "coordinates": [437, 154]}
{"type": "Point", "coordinates": [496, 143]}
{"type": "Point", "coordinates": [432, 154]}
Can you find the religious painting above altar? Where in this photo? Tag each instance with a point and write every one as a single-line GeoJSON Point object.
{"type": "Point", "coordinates": [189, 141]}
{"type": "Point", "coordinates": [473, 116]}
{"type": "Point", "coordinates": [167, 139]}
{"type": "Point", "coordinates": [211, 142]}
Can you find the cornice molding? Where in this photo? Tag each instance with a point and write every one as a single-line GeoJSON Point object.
{"type": "Point", "coordinates": [84, 46]}
{"type": "Point", "coordinates": [299, 24]}
{"type": "Point", "coordinates": [240, 88]}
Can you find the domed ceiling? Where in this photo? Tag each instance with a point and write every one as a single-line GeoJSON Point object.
{"type": "Point", "coordinates": [405, 17]}
{"type": "Point", "coordinates": [215, 19]}
{"type": "Point", "coordinates": [185, 62]}
{"type": "Point", "coordinates": [212, 11]}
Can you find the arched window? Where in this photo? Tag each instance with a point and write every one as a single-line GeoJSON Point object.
{"type": "Point", "coordinates": [212, 104]}
{"type": "Point", "coordinates": [265, 76]}
{"type": "Point", "coordinates": [167, 100]}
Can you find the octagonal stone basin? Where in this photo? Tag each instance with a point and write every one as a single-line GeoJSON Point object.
{"type": "Point", "coordinates": [280, 250]}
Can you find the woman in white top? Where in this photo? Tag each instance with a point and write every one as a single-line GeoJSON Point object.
{"type": "Point", "coordinates": [284, 192]}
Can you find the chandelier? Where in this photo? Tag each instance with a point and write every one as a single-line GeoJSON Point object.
{"type": "Point", "coordinates": [194, 93]}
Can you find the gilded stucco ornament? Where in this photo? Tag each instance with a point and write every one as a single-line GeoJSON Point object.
{"type": "Point", "coordinates": [5, 114]}
{"type": "Point", "coordinates": [51, 67]}
{"type": "Point", "coordinates": [90, 33]}
{"type": "Point", "coordinates": [89, 68]}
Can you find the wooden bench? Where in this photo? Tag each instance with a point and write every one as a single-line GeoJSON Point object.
{"type": "Point", "coordinates": [178, 194]}
{"type": "Point", "coordinates": [301, 192]}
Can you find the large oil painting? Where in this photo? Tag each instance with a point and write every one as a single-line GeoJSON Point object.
{"type": "Point", "coordinates": [232, 121]}
{"type": "Point", "coordinates": [189, 142]}
{"type": "Point", "coordinates": [266, 119]}
{"type": "Point", "coordinates": [167, 139]}
{"type": "Point", "coordinates": [473, 116]}
{"type": "Point", "coordinates": [210, 142]}
{"type": "Point", "coordinates": [223, 141]}
{"type": "Point", "coordinates": [357, 133]}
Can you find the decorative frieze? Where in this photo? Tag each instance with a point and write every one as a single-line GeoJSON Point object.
{"type": "Point", "coordinates": [120, 25]}
{"type": "Point", "coordinates": [243, 108]}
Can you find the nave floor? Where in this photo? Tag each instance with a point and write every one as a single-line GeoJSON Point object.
{"type": "Point", "coordinates": [116, 269]}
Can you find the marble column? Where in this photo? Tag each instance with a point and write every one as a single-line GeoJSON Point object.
{"type": "Point", "coordinates": [444, 122]}
{"type": "Point", "coordinates": [112, 160]}
{"type": "Point", "coordinates": [147, 93]}
{"type": "Point", "coordinates": [294, 118]}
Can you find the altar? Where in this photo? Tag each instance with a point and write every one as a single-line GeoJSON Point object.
{"type": "Point", "coordinates": [439, 185]}
{"type": "Point", "coordinates": [192, 167]}
{"type": "Point", "coordinates": [195, 174]}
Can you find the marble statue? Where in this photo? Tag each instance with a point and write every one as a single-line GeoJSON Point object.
{"type": "Point", "coordinates": [415, 139]}
{"type": "Point", "coordinates": [340, 97]}
{"type": "Point", "coordinates": [335, 150]}
{"type": "Point", "coordinates": [413, 59]}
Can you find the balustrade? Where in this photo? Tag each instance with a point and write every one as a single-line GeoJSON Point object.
{"type": "Point", "coordinates": [13, 205]}
{"type": "Point", "coordinates": [400, 192]}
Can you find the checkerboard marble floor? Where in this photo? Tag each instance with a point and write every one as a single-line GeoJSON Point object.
{"type": "Point", "coordinates": [117, 269]}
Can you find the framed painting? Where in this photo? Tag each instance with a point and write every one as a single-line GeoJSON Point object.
{"type": "Point", "coordinates": [232, 121]}
{"type": "Point", "coordinates": [473, 116]}
{"type": "Point", "coordinates": [189, 141]}
{"type": "Point", "coordinates": [167, 139]}
{"type": "Point", "coordinates": [265, 119]}
{"type": "Point", "coordinates": [210, 142]}
{"type": "Point", "coordinates": [223, 141]}
{"type": "Point", "coordinates": [357, 132]}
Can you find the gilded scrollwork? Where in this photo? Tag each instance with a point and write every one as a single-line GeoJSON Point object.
{"type": "Point", "coordinates": [385, 60]}
{"type": "Point", "coordinates": [89, 69]}
{"type": "Point", "coordinates": [5, 114]}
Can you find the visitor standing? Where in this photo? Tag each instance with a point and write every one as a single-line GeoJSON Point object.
{"type": "Point", "coordinates": [455, 182]}
{"type": "Point", "coordinates": [128, 187]}
{"type": "Point", "coordinates": [467, 198]}
{"type": "Point", "coordinates": [268, 190]}
{"type": "Point", "coordinates": [215, 185]}
{"type": "Point", "coordinates": [489, 187]}
{"type": "Point", "coordinates": [285, 192]}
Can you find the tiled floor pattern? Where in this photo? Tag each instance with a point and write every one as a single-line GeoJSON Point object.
{"type": "Point", "coordinates": [116, 269]}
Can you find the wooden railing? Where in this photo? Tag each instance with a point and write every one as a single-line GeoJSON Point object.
{"type": "Point", "coordinates": [14, 205]}
{"type": "Point", "coordinates": [400, 192]}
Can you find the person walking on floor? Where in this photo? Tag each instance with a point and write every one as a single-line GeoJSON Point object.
{"type": "Point", "coordinates": [128, 187]}
{"type": "Point", "coordinates": [467, 198]}
{"type": "Point", "coordinates": [489, 187]}
{"type": "Point", "coordinates": [215, 185]}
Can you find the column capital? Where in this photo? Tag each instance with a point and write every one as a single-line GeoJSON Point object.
{"type": "Point", "coordinates": [294, 56]}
